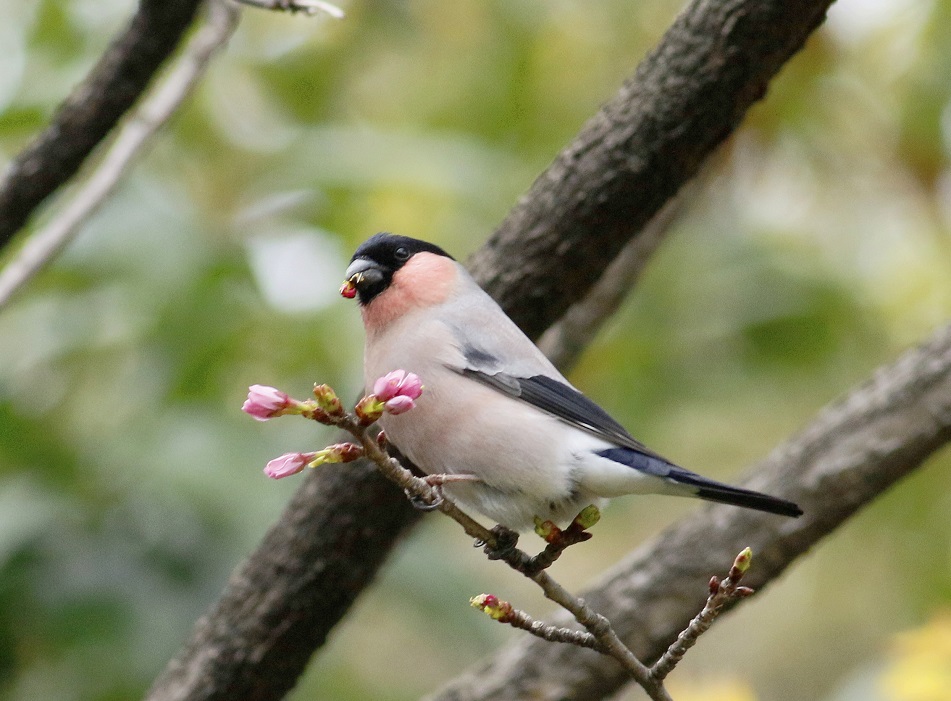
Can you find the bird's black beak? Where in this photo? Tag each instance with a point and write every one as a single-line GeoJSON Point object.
{"type": "Point", "coordinates": [361, 274]}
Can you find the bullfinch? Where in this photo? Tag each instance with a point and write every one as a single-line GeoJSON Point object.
{"type": "Point", "coordinates": [518, 440]}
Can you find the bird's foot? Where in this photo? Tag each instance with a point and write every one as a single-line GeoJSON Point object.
{"type": "Point", "coordinates": [424, 504]}
{"type": "Point", "coordinates": [436, 482]}
{"type": "Point", "coordinates": [505, 541]}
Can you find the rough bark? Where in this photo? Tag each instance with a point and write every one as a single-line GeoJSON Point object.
{"type": "Point", "coordinates": [279, 606]}
{"type": "Point", "coordinates": [92, 110]}
{"type": "Point", "coordinates": [850, 453]}
{"type": "Point", "coordinates": [685, 98]}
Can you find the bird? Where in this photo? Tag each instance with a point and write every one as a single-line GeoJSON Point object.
{"type": "Point", "coordinates": [517, 441]}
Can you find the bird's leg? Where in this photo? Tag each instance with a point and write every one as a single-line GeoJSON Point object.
{"type": "Point", "coordinates": [440, 479]}
{"type": "Point", "coordinates": [436, 482]}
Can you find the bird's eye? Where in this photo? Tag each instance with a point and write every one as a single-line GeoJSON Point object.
{"type": "Point", "coordinates": [401, 253]}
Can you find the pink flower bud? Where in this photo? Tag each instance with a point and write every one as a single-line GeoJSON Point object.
{"type": "Point", "coordinates": [388, 386]}
{"type": "Point", "coordinates": [411, 386]}
{"type": "Point", "coordinates": [398, 405]}
{"type": "Point", "coordinates": [288, 464]}
{"type": "Point", "coordinates": [265, 402]}
{"type": "Point", "coordinates": [398, 383]}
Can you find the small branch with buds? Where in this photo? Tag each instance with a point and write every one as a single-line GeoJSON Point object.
{"type": "Point", "coordinates": [396, 393]}
{"type": "Point", "coordinates": [504, 612]}
{"type": "Point", "coordinates": [721, 593]}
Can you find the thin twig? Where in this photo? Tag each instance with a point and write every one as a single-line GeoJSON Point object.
{"type": "Point", "coordinates": [600, 628]}
{"type": "Point", "coordinates": [600, 634]}
{"type": "Point", "coordinates": [158, 106]}
{"type": "Point", "coordinates": [307, 7]}
{"type": "Point", "coordinates": [721, 593]}
{"type": "Point", "coordinates": [410, 483]}
{"type": "Point", "coordinates": [504, 612]}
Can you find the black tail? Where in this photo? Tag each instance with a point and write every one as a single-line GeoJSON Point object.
{"type": "Point", "coordinates": [737, 496]}
{"type": "Point", "coordinates": [653, 464]}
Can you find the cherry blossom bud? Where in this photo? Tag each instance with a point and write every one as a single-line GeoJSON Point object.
{"type": "Point", "coordinates": [394, 393]}
{"type": "Point", "coordinates": [265, 402]}
{"type": "Point", "coordinates": [387, 386]}
{"type": "Point", "coordinates": [493, 607]}
{"type": "Point", "coordinates": [327, 400]}
{"type": "Point", "coordinates": [399, 405]}
{"type": "Point", "coordinates": [411, 386]}
{"type": "Point", "coordinates": [336, 453]}
{"type": "Point", "coordinates": [398, 383]}
{"type": "Point", "coordinates": [368, 409]}
{"type": "Point", "coordinates": [288, 464]}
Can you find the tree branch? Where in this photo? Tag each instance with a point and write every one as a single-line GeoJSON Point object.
{"type": "Point", "coordinates": [565, 340]}
{"type": "Point", "coordinates": [684, 99]}
{"type": "Point", "coordinates": [134, 136]}
{"type": "Point", "coordinates": [851, 452]}
{"type": "Point", "coordinates": [307, 7]}
{"type": "Point", "coordinates": [721, 593]}
{"type": "Point", "coordinates": [95, 106]}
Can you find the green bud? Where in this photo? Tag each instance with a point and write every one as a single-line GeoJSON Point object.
{"type": "Point", "coordinates": [589, 516]}
{"type": "Point", "coordinates": [546, 529]}
{"type": "Point", "coordinates": [368, 409]}
{"type": "Point", "coordinates": [327, 400]}
{"type": "Point", "coordinates": [742, 562]}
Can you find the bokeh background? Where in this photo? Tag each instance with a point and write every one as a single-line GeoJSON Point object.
{"type": "Point", "coordinates": [816, 247]}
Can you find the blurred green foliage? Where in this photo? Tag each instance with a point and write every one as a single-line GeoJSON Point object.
{"type": "Point", "coordinates": [817, 248]}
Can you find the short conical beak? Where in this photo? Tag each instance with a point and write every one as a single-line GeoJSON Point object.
{"type": "Point", "coordinates": [361, 271]}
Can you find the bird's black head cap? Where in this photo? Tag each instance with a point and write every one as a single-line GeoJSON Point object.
{"type": "Point", "coordinates": [379, 257]}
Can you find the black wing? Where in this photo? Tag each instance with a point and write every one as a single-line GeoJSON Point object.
{"type": "Point", "coordinates": [562, 401]}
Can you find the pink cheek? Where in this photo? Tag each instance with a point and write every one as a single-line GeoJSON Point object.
{"type": "Point", "coordinates": [425, 281]}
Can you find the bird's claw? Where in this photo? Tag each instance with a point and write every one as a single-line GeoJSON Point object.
{"type": "Point", "coordinates": [505, 541]}
{"type": "Point", "coordinates": [424, 504]}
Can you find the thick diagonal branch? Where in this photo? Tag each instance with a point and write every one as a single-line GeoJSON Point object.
{"type": "Point", "coordinates": [685, 98]}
